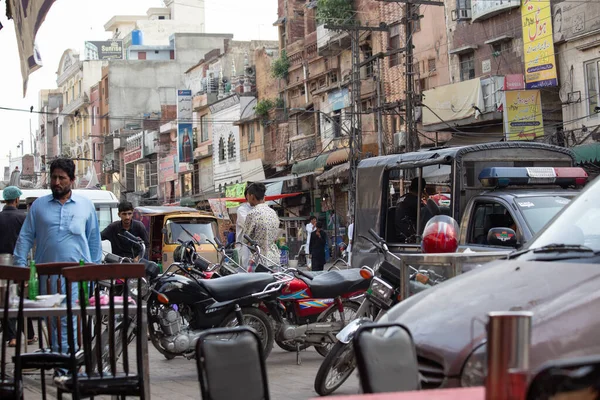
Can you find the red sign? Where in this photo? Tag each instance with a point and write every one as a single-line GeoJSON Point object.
{"type": "Point", "coordinates": [514, 82]}
{"type": "Point", "coordinates": [132, 155]}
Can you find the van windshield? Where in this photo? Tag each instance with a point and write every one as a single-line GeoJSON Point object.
{"type": "Point", "coordinates": [104, 217]}
{"type": "Point", "coordinates": [202, 230]}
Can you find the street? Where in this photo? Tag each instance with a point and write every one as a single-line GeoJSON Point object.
{"type": "Point", "coordinates": [178, 378]}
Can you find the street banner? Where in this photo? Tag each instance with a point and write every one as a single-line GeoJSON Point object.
{"type": "Point", "coordinates": [185, 139]}
{"type": "Point", "coordinates": [452, 102]}
{"type": "Point", "coordinates": [538, 44]}
{"type": "Point", "coordinates": [28, 17]}
{"type": "Point", "coordinates": [235, 191]}
{"type": "Point", "coordinates": [104, 50]}
{"type": "Point", "coordinates": [523, 115]}
{"type": "Point", "coordinates": [218, 208]}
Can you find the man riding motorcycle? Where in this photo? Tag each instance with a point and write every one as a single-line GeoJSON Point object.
{"type": "Point", "coordinates": [114, 232]}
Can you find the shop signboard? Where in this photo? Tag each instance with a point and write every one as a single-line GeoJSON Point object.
{"type": "Point", "coordinates": [523, 115]}
{"type": "Point", "coordinates": [185, 139]}
{"type": "Point", "coordinates": [538, 44]}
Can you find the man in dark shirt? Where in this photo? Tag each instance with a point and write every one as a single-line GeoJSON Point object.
{"type": "Point", "coordinates": [121, 246]}
{"type": "Point", "coordinates": [406, 213]}
{"type": "Point", "coordinates": [11, 221]}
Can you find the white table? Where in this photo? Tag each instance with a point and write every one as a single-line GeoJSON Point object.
{"type": "Point", "coordinates": [62, 312]}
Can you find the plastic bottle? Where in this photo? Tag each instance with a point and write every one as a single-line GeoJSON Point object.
{"type": "Point", "coordinates": [34, 284]}
{"type": "Point", "coordinates": [85, 286]}
{"type": "Point", "coordinates": [160, 267]}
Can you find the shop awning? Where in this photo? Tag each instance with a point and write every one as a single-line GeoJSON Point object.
{"type": "Point", "coordinates": [315, 164]}
{"type": "Point", "coordinates": [338, 156]}
{"type": "Point", "coordinates": [286, 177]}
{"type": "Point", "coordinates": [339, 171]}
{"type": "Point", "coordinates": [587, 153]}
{"type": "Point", "coordinates": [267, 198]}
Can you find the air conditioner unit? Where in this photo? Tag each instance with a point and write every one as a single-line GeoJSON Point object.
{"type": "Point", "coordinates": [463, 14]}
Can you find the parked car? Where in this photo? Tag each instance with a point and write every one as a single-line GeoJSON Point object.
{"type": "Point", "coordinates": [556, 276]}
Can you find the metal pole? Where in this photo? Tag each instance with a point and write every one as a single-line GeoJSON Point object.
{"type": "Point", "coordinates": [419, 206]}
{"type": "Point", "coordinates": [379, 117]}
{"type": "Point", "coordinates": [335, 225]}
{"type": "Point", "coordinates": [409, 76]}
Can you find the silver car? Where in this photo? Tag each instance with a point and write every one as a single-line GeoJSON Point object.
{"type": "Point", "coordinates": [556, 276]}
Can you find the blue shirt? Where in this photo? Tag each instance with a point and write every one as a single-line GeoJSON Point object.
{"type": "Point", "coordinates": [62, 232]}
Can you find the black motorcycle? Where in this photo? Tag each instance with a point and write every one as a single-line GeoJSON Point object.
{"type": "Point", "coordinates": [182, 305]}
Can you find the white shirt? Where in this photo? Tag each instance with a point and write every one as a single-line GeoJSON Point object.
{"type": "Point", "coordinates": [310, 228]}
{"type": "Point", "coordinates": [243, 251]}
{"type": "Point", "coordinates": [350, 235]}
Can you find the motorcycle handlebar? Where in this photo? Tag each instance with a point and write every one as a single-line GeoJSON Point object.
{"type": "Point", "coordinates": [376, 236]}
{"type": "Point", "coordinates": [218, 242]}
{"type": "Point", "coordinates": [250, 240]}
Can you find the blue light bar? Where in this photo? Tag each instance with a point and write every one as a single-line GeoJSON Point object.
{"type": "Point", "coordinates": [505, 176]}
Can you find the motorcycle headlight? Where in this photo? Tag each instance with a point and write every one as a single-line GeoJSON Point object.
{"type": "Point", "coordinates": [475, 369]}
{"type": "Point", "coordinates": [133, 287]}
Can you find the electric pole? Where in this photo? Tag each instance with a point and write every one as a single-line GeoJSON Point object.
{"type": "Point", "coordinates": [356, 132]}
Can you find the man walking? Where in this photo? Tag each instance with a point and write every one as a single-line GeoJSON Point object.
{"type": "Point", "coordinates": [242, 212]}
{"type": "Point", "coordinates": [262, 223]}
{"type": "Point", "coordinates": [11, 219]}
{"type": "Point", "coordinates": [64, 227]}
{"type": "Point", "coordinates": [120, 245]}
{"type": "Point", "coordinates": [310, 228]}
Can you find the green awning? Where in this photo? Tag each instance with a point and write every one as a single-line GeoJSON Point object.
{"type": "Point", "coordinates": [587, 153]}
{"type": "Point", "coordinates": [188, 202]}
{"type": "Point", "coordinates": [310, 165]}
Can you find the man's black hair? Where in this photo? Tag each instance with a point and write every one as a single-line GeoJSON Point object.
{"type": "Point", "coordinates": [414, 184]}
{"type": "Point", "coordinates": [258, 190]}
{"type": "Point", "coordinates": [125, 206]}
{"type": "Point", "coordinates": [66, 164]}
{"type": "Point", "coordinates": [231, 229]}
{"type": "Point", "coordinates": [311, 218]}
{"type": "Point", "coordinates": [319, 225]}
{"type": "Point", "coordinates": [246, 190]}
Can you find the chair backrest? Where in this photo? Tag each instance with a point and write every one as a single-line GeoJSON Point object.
{"type": "Point", "coordinates": [569, 378]}
{"type": "Point", "coordinates": [18, 276]}
{"type": "Point", "coordinates": [116, 336]}
{"type": "Point", "coordinates": [222, 379]}
{"type": "Point", "coordinates": [386, 358]}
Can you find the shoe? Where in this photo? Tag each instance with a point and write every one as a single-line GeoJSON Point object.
{"type": "Point", "coordinates": [32, 341]}
{"type": "Point", "coordinates": [12, 343]}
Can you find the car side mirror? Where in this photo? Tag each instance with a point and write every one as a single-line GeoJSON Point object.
{"type": "Point", "coordinates": [504, 237]}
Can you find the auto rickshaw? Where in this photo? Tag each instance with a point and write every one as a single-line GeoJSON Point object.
{"type": "Point", "coordinates": [167, 226]}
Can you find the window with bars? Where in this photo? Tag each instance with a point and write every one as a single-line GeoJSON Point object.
{"type": "Point", "coordinates": [231, 146]}
{"type": "Point", "coordinates": [394, 44]}
{"type": "Point", "coordinates": [592, 79]}
{"type": "Point", "coordinates": [431, 65]}
{"type": "Point", "coordinates": [251, 134]}
{"type": "Point", "coordinates": [467, 66]}
{"type": "Point", "coordinates": [221, 149]}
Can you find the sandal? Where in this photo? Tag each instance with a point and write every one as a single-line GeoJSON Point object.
{"type": "Point", "coordinates": [31, 341]}
{"type": "Point", "coordinates": [12, 343]}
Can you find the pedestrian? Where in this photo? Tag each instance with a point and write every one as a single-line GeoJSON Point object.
{"type": "Point", "coordinates": [121, 246]}
{"type": "Point", "coordinates": [310, 228]}
{"type": "Point", "coordinates": [350, 240]}
{"type": "Point", "coordinates": [318, 242]}
{"type": "Point", "coordinates": [231, 237]}
{"type": "Point", "coordinates": [262, 223]}
{"type": "Point", "coordinates": [64, 227]}
{"type": "Point", "coordinates": [242, 213]}
{"type": "Point", "coordinates": [11, 219]}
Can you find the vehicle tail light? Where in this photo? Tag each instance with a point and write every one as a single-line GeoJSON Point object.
{"type": "Point", "coordinates": [366, 273]}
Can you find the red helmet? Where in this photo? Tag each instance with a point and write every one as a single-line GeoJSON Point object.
{"type": "Point", "coordinates": [440, 235]}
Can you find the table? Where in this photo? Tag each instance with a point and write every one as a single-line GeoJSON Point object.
{"type": "Point", "coordinates": [473, 393]}
{"type": "Point", "coordinates": [62, 312]}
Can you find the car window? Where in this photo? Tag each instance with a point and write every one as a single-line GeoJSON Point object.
{"type": "Point", "coordinates": [202, 230]}
{"type": "Point", "coordinates": [537, 211]}
{"type": "Point", "coordinates": [578, 224]}
{"type": "Point", "coordinates": [104, 217]}
{"type": "Point", "coordinates": [487, 215]}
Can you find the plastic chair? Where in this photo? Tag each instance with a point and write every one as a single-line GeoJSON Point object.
{"type": "Point", "coordinates": [386, 362]}
{"type": "Point", "coordinates": [12, 387]}
{"type": "Point", "coordinates": [220, 379]}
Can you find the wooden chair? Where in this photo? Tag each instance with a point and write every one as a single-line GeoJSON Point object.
{"type": "Point", "coordinates": [387, 360]}
{"type": "Point", "coordinates": [45, 358]}
{"type": "Point", "coordinates": [98, 378]}
{"type": "Point", "coordinates": [220, 379]}
{"type": "Point", "coordinates": [573, 378]}
{"type": "Point", "coordinates": [12, 387]}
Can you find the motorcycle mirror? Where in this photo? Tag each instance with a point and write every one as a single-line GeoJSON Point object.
{"type": "Point", "coordinates": [504, 237]}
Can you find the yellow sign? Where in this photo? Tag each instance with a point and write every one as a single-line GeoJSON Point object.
{"type": "Point", "coordinates": [235, 191]}
{"type": "Point", "coordinates": [538, 44]}
{"type": "Point", "coordinates": [523, 114]}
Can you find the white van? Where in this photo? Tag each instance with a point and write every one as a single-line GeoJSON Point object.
{"type": "Point", "coordinates": [105, 201]}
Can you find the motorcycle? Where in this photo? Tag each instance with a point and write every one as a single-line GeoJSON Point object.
{"type": "Point", "coordinates": [383, 293]}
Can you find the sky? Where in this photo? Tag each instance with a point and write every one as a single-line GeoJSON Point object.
{"type": "Point", "coordinates": [70, 23]}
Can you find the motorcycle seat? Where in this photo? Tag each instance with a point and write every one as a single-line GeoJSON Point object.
{"type": "Point", "coordinates": [336, 283]}
{"type": "Point", "coordinates": [236, 286]}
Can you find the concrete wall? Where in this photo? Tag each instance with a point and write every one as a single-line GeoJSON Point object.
{"type": "Point", "coordinates": [226, 171]}
{"type": "Point", "coordinates": [138, 87]}
{"type": "Point", "coordinates": [151, 55]}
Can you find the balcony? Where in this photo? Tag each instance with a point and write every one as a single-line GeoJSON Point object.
{"type": "Point", "coordinates": [75, 104]}
{"type": "Point", "coordinates": [331, 43]}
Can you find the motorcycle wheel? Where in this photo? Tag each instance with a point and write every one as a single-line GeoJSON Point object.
{"type": "Point", "coordinates": [335, 369]}
{"type": "Point", "coordinates": [260, 322]}
{"type": "Point", "coordinates": [350, 310]}
{"type": "Point", "coordinates": [152, 333]}
{"type": "Point", "coordinates": [105, 345]}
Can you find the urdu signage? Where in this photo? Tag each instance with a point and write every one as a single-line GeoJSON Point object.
{"type": "Point", "coordinates": [483, 9]}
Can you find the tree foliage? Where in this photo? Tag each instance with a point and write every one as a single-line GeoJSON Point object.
{"type": "Point", "coordinates": [335, 12]}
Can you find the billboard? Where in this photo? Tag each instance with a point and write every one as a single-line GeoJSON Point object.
{"type": "Point", "coordinates": [571, 19]}
{"type": "Point", "coordinates": [482, 9]}
{"type": "Point", "coordinates": [538, 44]}
{"type": "Point", "coordinates": [185, 139]}
{"type": "Point", "coordinates": [104, 50]}
{"type": "Point", "coordinates": [523, 115]}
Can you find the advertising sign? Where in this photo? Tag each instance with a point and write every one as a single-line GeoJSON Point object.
{"type": "Point", "coordinates": [218, 207]}
{"type": "Point", "coordinates": [104, 50]}
{"type": "Point", "coordinates": [523, 115]}
{"type": "Point", "coordinates": [514, 82]}
{"type": "Point", "coordinates": [168, 169]}
{"type": "Point", "coordinates": [185, 139]}
{"type": "Point", "coordinates": [133, 148]}
{"type": "Point", "coordinates": [571, 18]}
{"type": "Point", "coordinates": [538, 44]}
{"type": "Point", "coordinates": [482, 9]}
{"type": "Point", "coordinates": [235, 191]}
{"type": "Point", "coordinates": [339, 99]}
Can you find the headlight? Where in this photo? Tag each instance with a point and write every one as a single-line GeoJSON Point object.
{"type": "Point", "coordinates": [381, 290]}
{"type": "Point", "coordinates": [475, 369]}
{"type": "Point", "coordinates": [132, 285]}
